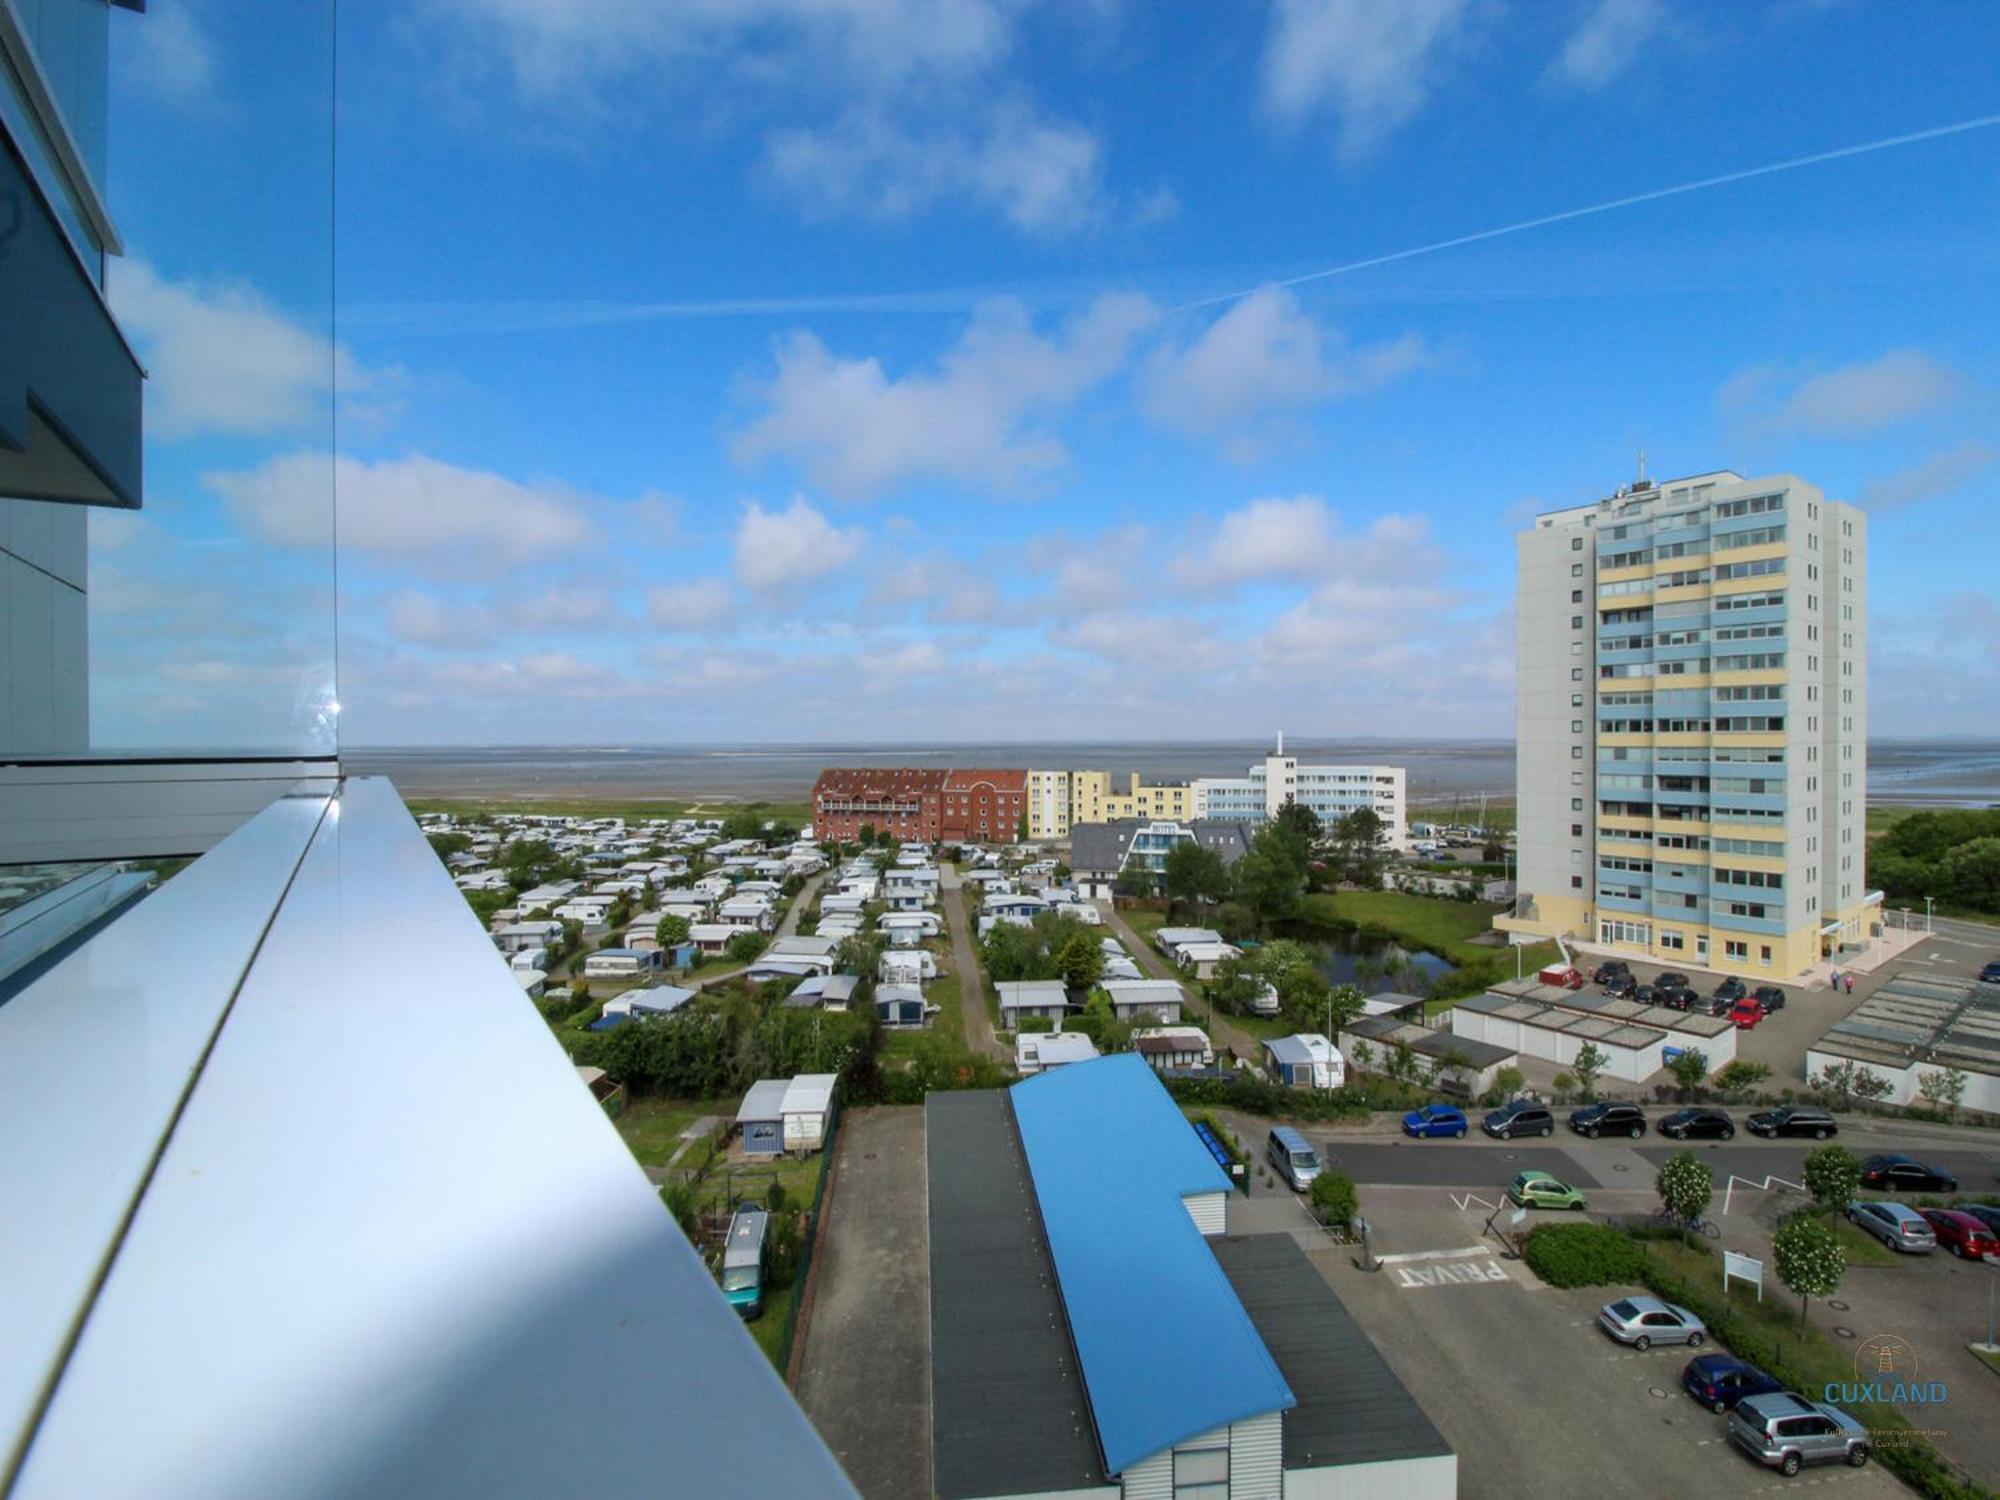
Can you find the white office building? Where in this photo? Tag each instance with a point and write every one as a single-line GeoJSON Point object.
{"type": "Point", "coordinates": [1332, 792]}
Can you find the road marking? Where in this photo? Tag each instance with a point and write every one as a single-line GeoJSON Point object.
{"type": "Point", "coordinates": [1467, 1200]}
{"type": "Point", "coordinates": [1468, 1253]}
{"type": "Point", "coordinates": [1450, 1273]}
{"type": "Point", "coordinates": [1764, 1186]}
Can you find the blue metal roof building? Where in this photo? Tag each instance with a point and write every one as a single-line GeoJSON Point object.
{"type": "Point", "coordinates": [1112, 1161]}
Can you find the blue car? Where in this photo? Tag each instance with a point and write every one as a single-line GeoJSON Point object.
{"type": "Point", "coordinates": [1719, 1381]}
{"type": "Point", "coordinates": [1991, 973]}
{"type": "Point", "coordinates": [1435, 1119]}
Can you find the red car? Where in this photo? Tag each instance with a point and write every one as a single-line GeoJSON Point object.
{"type": "Point", "coordinates": [1562, 976]}
{"type": "Point", "coordinates": [1963, 1235]}
{"type": "Point", "coordinates": [1746, 1013]}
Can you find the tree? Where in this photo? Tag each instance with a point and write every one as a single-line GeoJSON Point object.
{"type": "Point", "coordinates": [865, 835]}
{"type": "Point", "coordinates": [1741, 1076]}
{"type": "Point", "coordinates": [1942, 1088]}
{"type": "Point", "coordinates": [1134, 883]}
{"type": "Point", "coordinates": [1452, 1063]}
{"type": "Point", "coordinates": [1334, 1199]}
{"type": "Point", "coordinates": [1810, 1260]}
{"type": "Point", "coordinates": [1493, 852]}
{"type": "Point", "coordinates": [1080, 961]}
{"type": "Point", "coordinates": [1233, 986]}
{"type": "Point", "coordinates": [1689, 1069]}
{"type": "Point", "coordinates": [1364, 1056]}
{"type": "Point", "coordinates": [447, 844]}
{"type": "Point", "coordinates": [1507, 1082]}
{"type": "Point", "coordinates": [1589, 1061]}
{"type": "Point", "coordinates": [1849, 1081]}
{"type": "Point", "coordinates": [1833, 1177]}
{"type": "Point", "coordinates": [1194, 874]}
{"type": "Point", "coordinates": [1402, 1062]}
{"type": "Point", "coordinates": [1021, 830]}
{"type": "Point", "coordinates": [1297, 828]}
{"type": "Point", "coordinates": [1357, 847]}
{"type": "Point", "coordinates": [1687, 1186]}
{"type": "Point", "coordinates": [745, 947]}
{"type": "Point", "coordinates": [743, 824]}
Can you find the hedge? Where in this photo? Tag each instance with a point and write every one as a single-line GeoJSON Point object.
{"type": "Point", "coordinates": [1573, 1255]}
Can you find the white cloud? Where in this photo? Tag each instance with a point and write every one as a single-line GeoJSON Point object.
{"type": "Point", "coordinates": [1041, 175]}
{"type": "Point", "coordinates": [694, 605]}
{"type": "Point", "coordinates": [1298, 539]}
{"type": "Point", "coordinates": [1854, 398]}
{"type": "Point", "coordinates": [1607, 41]}
{"type": "Point", "coordinates": [423, 619]}
{"type": "Point", "coordinates": [858, 431]}
{"type": "Point", "coordinates": [777, 548]}
{"type": "Point", "coordinates": [1265, 354]}
{"type": "Point", "coordinates": [879, 108]}
{"type": "Point", "coordinates": [1939, 474]}
{"type": "Point", "coordinates": [222, 358]}
{"type": "Point", "coordinates": [1373, 65]}
{"type": "Point", "coordinates": [412, 510]}
{"type": "Point", "coordinates": [167, 54]}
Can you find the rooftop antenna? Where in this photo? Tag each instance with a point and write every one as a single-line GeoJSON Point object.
{"type": "Point", "coordinates": [1642, 466]}
{"type": "Point", "coordinates": [1281, 742]}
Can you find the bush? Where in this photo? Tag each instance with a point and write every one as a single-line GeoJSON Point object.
{"type": "Point", "coordinates": [1572, 1255]}
{"type": "Point", "coordinates": [1334, 1199]}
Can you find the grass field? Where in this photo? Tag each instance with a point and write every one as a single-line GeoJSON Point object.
{"type": "Point", "coordinates": [652, 1127]}
{"type": "Point", "coordinates": [1434, 923]}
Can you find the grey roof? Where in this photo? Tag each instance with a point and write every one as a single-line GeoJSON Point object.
{"type": "Point", "coordinates": [1099, 848]}
{"type": "Point", "coordinates": [764, 1101]}
{"type": "Point", "coordinates": [1008, 1412]}
{"type": "Point", "coordinates": [1352, 1409]}
{"type": "Point", "coordinates": [1479, 1054]}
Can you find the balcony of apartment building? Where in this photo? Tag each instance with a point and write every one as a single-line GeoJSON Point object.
{"type": "Point", "coordinates": [248, 1250]}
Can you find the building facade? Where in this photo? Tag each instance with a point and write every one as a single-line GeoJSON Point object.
{"type": "Point", "coordinates": [983, 807]}
{"type": "Point", "coordinates": [1692, 718]}
{"type": "Point", "coordinates": [905, 802]}
{"type": "Point", "coordinates": [1048, 804]}
{"type": "Point", "coordinates": [1332, 792]}
{"type": "Point", "coordinates": [1095, 799]}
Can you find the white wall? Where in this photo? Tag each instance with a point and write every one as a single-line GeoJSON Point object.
{"type": "Point", "coordinates": [1210, 1211]}
{"type": "Point", "coordinates": [1404, 1478]}
{"type": "Point", "coordinates": [1256, 1462]}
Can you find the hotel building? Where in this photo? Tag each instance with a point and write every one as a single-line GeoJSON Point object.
{"type": "Point", "coordinates": [1692, 719]}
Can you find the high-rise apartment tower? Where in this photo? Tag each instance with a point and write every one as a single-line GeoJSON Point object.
{"type": "Point", "coordinates": [1691, 724]}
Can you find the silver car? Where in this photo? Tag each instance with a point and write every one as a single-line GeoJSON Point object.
{"type": "Point", "coordinates": [1894, 1225]}
{"type": "Point", "coordinates": [1645, 1321]}
{"type": "Point", "coordinates": [1786, 1432]}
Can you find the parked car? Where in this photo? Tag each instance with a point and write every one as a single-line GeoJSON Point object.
{"type": "Point", "coordinates": [1610, 969]}
{"type": "Point", "coordinates": [1621, 985]}
{"type": "Point", "coordinates": [1697, 1124]}
{"type": "Point", "coordinates": [1746, 1013]}
{"type": "Point", "coordinates": [1719, 1381]}
{"type": "Point", "coordinates": [1544, 1190]}
{"type": "Point", "coordinates": [1899, 1227]}
{"type": "Point", "coordinates": [1963, 1234]}
{"type": "Point", "coordinates": [1435, 1119]}
{"type": "Point", "coordinates": [1731, 989]}
{"type": "Point", "coordinates": [1645, 1321]}
{"type": "Point", "coordinates": [1645, 994]}
{"type": "Point", "coordinates": [1769, 996]}
{"type": "Point", "coordinates": [1991, 973]}
{"type": "Point", "coordinates": [1672, 979]}
{"type": "Point", "coordinates": [1594, 1120]}
{"type": "Point", "coordinates": [1896, 1173]}
{"type": "Point", "coordinates": [1562, 976]}
{"type": "Point", "coordinates": [1522, 1117]}
{"type": "Point", "coordinates": [1986, 1213]}
{"type": "Point", "coordinates": [1785, 1432]}
{"type": "Point", "coordinates": [1673, 999]}
{"type": "Point", "coordinates": [1793, 1119]}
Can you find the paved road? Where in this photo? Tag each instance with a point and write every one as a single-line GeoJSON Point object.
{"type": "Point", "coordinates": [1221, 1033]}
{"type": "Point", "coordinates": [971, 980]}
{"type": "Point", "coordinates": [865, 1378]}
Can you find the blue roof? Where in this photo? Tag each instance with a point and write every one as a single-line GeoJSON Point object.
{"type": "Point", "coordinates": [1166, 1348]}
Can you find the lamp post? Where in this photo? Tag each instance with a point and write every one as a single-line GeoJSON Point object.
{"type": "Point", "coordinates": [1929, 901]}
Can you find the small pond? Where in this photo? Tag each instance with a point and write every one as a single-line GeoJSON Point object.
{"type": "Point", "coordinates": [1370, 966]}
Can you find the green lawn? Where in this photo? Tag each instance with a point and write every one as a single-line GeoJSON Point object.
{"type": "Point", "coordinates": [1434, 923]}
{"type": "Point", "coordinates": [1142, 921]}
{"type": "Point", "coordinates": [942, 992]}
{"type": "Point", "coordinates": [652, 1127]}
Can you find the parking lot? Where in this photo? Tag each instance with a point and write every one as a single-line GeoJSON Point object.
{"type": "Point", "coordinates": [1455, 1315]}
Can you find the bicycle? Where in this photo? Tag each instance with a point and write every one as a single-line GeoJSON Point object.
{"type": "Point", "coordinates": [1660, 1218]}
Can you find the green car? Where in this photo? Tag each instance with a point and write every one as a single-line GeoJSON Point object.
{"type": "Point", "coordinates": [1540, 1190]}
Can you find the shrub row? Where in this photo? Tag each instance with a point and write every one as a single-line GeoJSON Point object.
{"type": "Point", "coordinates": [1573, 1255]}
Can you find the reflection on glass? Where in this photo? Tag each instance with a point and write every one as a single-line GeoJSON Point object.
{"type": "Point", "coordinates": [166, 536]}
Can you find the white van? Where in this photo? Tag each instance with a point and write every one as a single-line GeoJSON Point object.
{"type": "Point", "coordinates": [1295, 1160]}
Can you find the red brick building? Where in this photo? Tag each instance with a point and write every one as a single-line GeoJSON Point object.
{"type": "Point", "coordinates": [926, 806]}
{"type": "Point", "coordinates": [984, 807]}
{"type": "Point", "coordinates": [904, 802]}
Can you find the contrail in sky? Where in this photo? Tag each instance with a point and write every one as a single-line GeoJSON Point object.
{"type": "Point", "coordinates": [1914, 137]}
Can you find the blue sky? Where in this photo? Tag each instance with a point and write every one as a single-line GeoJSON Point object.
{"type": "Point", "coordinates": [922, 369]}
